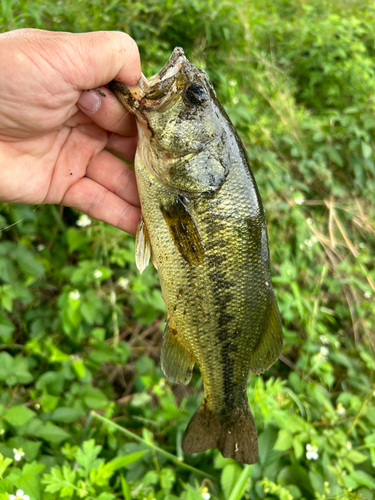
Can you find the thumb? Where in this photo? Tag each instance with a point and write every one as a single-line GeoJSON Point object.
{"type": "Point", "coordinates": [83, 60]}
{"type": "Point", "coordinates": [99, 57]}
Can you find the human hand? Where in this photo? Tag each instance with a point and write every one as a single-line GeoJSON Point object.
{"type": "Point", "coordinates": [53, 129]}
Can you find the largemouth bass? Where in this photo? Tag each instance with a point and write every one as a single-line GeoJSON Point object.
{"type": "Point", "coordinates": [204, 226]}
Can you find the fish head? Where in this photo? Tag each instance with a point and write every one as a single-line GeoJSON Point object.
{"type": "Point", "coordinates": [178, 117]}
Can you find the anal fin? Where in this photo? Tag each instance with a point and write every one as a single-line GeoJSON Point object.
{"type": "Point", "coordinates": [142, 246]}
{"type": "Point", "coordinates": [176, 363]}
{"type": "Point", "coordinates": [270, 344]}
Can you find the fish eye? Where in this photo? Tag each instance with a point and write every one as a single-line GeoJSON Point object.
{"type": "Point", "coordinates": [196, 93]}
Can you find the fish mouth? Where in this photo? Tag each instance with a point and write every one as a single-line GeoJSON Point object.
{"type": "Point", "coordinates": [153, 92]}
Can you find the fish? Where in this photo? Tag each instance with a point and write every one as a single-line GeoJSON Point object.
{"type": "Point", "coordinates": [203, 226]}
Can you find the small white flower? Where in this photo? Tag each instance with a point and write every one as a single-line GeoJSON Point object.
{"type": "Point", "coordinates": [309, 221]}
{"type": "Point", "coordinates": [311, 452]}
{"type": "Point", "coordinates": [300, 200]}
{"type": "Point", "coordinates": [97, 274]}
{"type": "Point", "coordinates": [37, 406]}
{"type": "Point", "coordinates": [324, 339]}
{"type": "Point", "coordinates": [18, 454]}
{"type": "Point", "coordinates": [368, 295]}
{"type": "Point", "coordinates": [232, 83]}
{"type": "Point", "coordinates": [235, 101]}
{"type": "Point", "coordinates": [206, 496]}
{"type": "Point", "coordinates": [83, 221]}
{"type": "Point", "coordinates": [123, 283]}
{"type": "Point", "coordinates": [308, 243]}
{"type": "Point", "coordinates": [40, 247]}
{"type": "Point", "coordinates": [340, 409]}
{"type": "Point", "coordinates": [20, 495]}
{"type": "Point", "coordinates": [74, 295]}
{"type": "Point", "coordinates": [349, 445]}
{"type": "Point", "coordinates": [324, 352]}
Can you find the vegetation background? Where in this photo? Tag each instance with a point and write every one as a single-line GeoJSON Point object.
{"type": "Point", "coordinates": [80, 329]}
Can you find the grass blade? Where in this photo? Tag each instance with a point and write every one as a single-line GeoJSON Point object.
{"type": "Point", "coordinates": [239, 488]}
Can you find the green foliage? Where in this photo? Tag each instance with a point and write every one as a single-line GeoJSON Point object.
{"type": "Point", "coordinates": [80, 329]}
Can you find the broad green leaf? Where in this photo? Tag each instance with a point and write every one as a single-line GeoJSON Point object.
{"type": "Point", "coordinates": [5, 487]}
{"type": "Point", "coordinates": [4, 464]}
{"type": "Point", "coordinates": [362, 478]}
{"type": "Point", "coordinates": [65, 415]}
{"type": "Point", "coordinates": [53, 434]}
{"type": "Point", "coordinates": [229, 477]}
{"type": "Point", "coordinates": [18, 415]}
{"type": "Point", "coordinates": [267, 453]}
{"type": "Point", "coordinates": [284, 440]}
{"type": "Point", "coordinates": [356, 457]}
{"type": "Point", "coordinates": [27, 261]}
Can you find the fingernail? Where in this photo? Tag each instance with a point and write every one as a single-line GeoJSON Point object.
{"type": "Point", "coordinates": [90, 101]}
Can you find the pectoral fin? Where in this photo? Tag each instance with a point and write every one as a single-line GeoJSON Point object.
{"type": "Point", "coordinates": [184, 231]}
{"type": "Point", "coordinates": [142, 246]}
{"type": "Point", "coordinates": [176, 363]}
{"type": "Point", "coordinates": [271, 342]}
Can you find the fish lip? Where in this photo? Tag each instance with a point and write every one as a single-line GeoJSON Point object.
{"type": "Point", "coordinates": [135, 98]}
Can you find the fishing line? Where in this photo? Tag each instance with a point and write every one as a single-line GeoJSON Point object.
{"type": "Point", "coordinates": [14, 223]}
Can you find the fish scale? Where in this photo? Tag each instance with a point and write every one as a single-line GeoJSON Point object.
{"type": "Point", "coordinates": [204, 225]}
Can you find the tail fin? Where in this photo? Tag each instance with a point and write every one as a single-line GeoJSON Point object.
{"type": "Point", "coordinates": [235, 435]}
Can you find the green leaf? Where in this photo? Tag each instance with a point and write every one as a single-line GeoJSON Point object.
{"type": "Point", "coordinates": [76, 239]}
{"type": "Point", "coordinates": [4, 464]}
{"type": "Point", "coordinates": [356, 457]}
{"type": "Point", "coordinates": [362, 478]}
{"type": "Point", "coordinates": [167, 479]}
{"type": "Point", "coordinates": [335, 156]}
{"type": "Point", "coordinates": [60, 480]}
{"type": "Point", "coordinates": [28, 479]}
{"type": "Point", "coordinates": [18, 415]}
{"type": "Point", "coordinates": [51, 433]}
{"type": "Point", "coordinates": [119, 462]}
{"type": "Point", "coordinates": [125, 489]}
{"type": "Point", "coordinates": [106, 496]}
{"type": "Point", "coordinates": [284, 440]}
{"type": "Point", "coordinates": [366, 149]}
{"type": "Point", "coordinates": [65, 415]}
{"type": "Point", "coordinates": [229, 477]}
{"type": "Point", "coordinates": [27, 261]}
{"type": "Point", "coordinates": [5, 487]}
{"type": "Point", "coordinates": [6, 329]}
{"type": "Point", "coordinates": [267, 454]}
{"type": "Point", "coordinates": [87, 456]}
